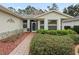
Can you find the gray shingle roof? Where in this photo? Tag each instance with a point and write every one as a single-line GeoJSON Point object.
{"type": "Point", "coordinates": [72, 19]}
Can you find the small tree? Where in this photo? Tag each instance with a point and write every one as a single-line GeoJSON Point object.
{"type": "Point", "coordinates": [53, 7]}
{"type": "Point", "coordinates": [12, 9]}
{"type": "Point", "coordinates": [72, 10]}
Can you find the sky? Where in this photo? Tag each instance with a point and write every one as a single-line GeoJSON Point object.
{"type": "Point", "coordinates": [36, 5]}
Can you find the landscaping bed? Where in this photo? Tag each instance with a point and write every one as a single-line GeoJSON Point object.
{"type": "Point", "coordinates": [8, 44]}
{"type": "Point", "coordinates": [54, 42]}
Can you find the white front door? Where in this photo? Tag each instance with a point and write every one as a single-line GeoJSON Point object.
{"type": "Point", "coordinates": [33, 26]}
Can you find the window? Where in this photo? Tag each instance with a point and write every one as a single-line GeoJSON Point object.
{"type": "Point", "coordinates": [67, 27]}
{"type": "Point", "coordinates": [52, 22]}
{"type": "Point", "coordinates": [41, 22]}
{"type": "Point", "coordinates": [25, 24]}
{"type": "Point", "coordinates": [41, 27]}
{"type": "Point", "coordinates": [24, 21]}
{"type": "Point", "coordinates": [76, 28]}
{"type": "Point", "coordinates": [52, 27]}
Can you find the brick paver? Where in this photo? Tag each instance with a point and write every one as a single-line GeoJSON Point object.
{"type": "Point", "coordinates": [76, 50]}
{"type": "Point", "coordinates": [24, 47]}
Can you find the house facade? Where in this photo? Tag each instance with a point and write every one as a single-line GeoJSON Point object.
{"type": "Point", "coordinates": [11, 22]}
{"type": "Point", "coordinates": [51, 20]}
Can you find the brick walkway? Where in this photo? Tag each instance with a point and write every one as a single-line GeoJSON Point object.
{"type": "Point", "coordinates": [77, 50]}
{"type": "Point", "coordinates": [24, 47]}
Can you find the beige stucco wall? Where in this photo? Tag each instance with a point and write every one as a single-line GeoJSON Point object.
{"type": "Point", "coordinates": [70, 23]}
{"type": "Point", "coordinates": [7, 26]}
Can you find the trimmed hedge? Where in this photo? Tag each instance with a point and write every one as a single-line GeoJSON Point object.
{"type": "Point", "coordinates": [56, 32]}
{"type": "Point", "coordinates": [44, 44]}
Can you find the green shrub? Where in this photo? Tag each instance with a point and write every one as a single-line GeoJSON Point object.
{"type": "Point", "coordinates": [41, 31]}
{"type": "Point", "coordinates": [56, 32]}
{"type": "Point", "coordinates": [62, 32]}
{"type": "Point", "coordinates": [44, 44]}
{"type": "Point", "coordinates": [75, 38]}
{"type": "Point", "coordinates": [52, 32]}
{"type": "Point", "coordinates": [71, 32]}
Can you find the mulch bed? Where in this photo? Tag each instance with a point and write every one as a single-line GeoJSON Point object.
{"type": "Point", "coordinates": [7, 47]}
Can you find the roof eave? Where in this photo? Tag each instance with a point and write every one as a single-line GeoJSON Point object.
{"type": "Point", "coordinates": [56, 12]}
{"type": "Point", "coordinates": [2, 8]}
